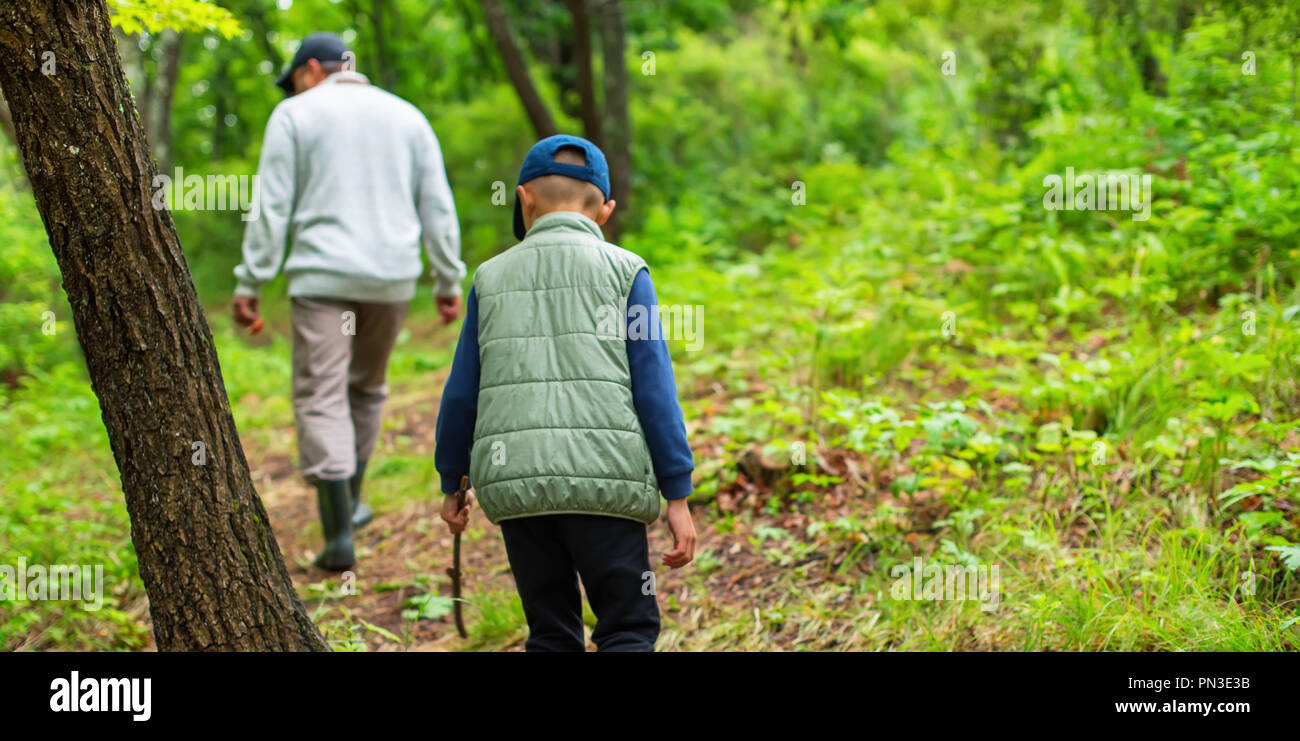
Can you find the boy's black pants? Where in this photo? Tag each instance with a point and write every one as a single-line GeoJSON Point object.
{"type": "Point", "coordinates": [612, 555]}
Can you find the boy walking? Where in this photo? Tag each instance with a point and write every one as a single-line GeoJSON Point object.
{"type": "Point", "coordinates": [564, 416]}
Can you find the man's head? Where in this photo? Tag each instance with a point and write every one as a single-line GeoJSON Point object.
{"type": "Point", "coordinates": [562, 173]}
{"type": "Point", "coordinates": [319, 56]}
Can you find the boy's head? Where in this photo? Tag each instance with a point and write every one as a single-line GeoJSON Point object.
{"type": "Point", "coordinates": [562, 173]}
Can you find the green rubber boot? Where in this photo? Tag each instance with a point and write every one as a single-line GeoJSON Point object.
{"type": "Point", "coordinates": [361, 514]}
{"type": "Point", "coordinates": [335, 517]}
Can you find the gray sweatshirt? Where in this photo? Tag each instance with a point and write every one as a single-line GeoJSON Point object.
{"type": "Point", "coordinates": [352, 178]}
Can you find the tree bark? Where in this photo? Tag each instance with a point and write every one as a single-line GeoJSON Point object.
{"type": "Point", "coordinates": [588, 110]}
{"type": "Point", "coordinates": [499, 25]}
{"type": "Point", "coordinates": [208, 559]}
{"type": "Point", "coordinates": [618, 127]}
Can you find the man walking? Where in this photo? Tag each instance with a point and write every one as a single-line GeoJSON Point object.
{"type": "Point", "coordinates": [352, 177]}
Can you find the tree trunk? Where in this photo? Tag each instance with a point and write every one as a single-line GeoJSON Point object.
{"type": "Point", "coordinates": [167, 77]}
{"type": "Point", "coordinates": [1184, 15]}
{"type": "Point", "coordinates": [208, 559]}
{"type": "Point", "coordinates": [383, 70]}
{"type": "Point", "coordinates": [473, 30]}
{"type": "Point", "coordinates": [618, 127]}
{"type": "Point", "coordinates": [499, 25]}
{"type": "Point", "coordinates": [221, 87]}
{"type": "Point", "coordinates": [1294, 59]}
{"type": "Point", "coordinates": [588, 110]}
{"type": "Point", "coordinates": [1153, 79]}
{"type": "Point", "coordinates": [256, 15]}
{"type": "Point", "coordinates": [137, 71]}
{"type": "Point", "coordinates": [7, 123]}
{"type": "Point", "coordinates": [556, 56]}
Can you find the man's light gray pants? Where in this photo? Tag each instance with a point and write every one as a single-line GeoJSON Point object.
{"type": "Point", "coordinates": [340, 360]}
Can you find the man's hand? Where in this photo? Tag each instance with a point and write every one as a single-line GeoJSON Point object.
{"type": "Point", "coordinates": [456, 521]}
{"type": "Point", "coordinates": [245, 310]}
{"type": "Point", "coordinates": [679, 520]}
{"type": "Point", "coordinates": [449, 308]}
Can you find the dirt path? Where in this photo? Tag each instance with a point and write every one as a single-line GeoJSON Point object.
{"type": "Point", "coordinates": [407, 542]}
{"type": "Point", "coordinates": [406, 549]}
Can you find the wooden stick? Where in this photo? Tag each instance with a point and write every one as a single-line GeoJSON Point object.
{"type": "Point", "coordinates": [454, 571]}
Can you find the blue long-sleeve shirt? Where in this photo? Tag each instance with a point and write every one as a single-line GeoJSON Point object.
{"type": "Point", "coordinates": [654, 392]}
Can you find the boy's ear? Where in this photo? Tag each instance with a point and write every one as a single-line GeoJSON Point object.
{"type": "Point", "coordinates": [605, 211]}
{"type": "Point", "coordinates": [525, 202]}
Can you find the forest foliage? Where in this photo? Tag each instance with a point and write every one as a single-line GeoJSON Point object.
{"type": "Point", "coordinates": [854, 193]}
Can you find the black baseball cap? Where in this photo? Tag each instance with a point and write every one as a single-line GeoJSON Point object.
{"type": "Point", "coordinates": [322, 46]}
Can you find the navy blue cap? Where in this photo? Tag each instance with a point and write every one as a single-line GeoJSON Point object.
{"type": "Point", "coordinates": [541, 161]}
{"type": "Point", "coordinates": [322, 46]}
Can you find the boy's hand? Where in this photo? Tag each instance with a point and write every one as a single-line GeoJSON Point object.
{"type": "Point", "coordinates": [679, 520]}
{"type": "Point", "coordinates": [456, 521]}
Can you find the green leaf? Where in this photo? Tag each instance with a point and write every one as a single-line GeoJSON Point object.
{"type": "Point", "coordinates": [136, 16]}
{"type": "Point", "coordinates": [1290, 555]}
{"type": "Point", "coordinates": [428, 606]}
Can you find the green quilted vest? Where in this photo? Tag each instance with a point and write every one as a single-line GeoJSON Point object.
{"type": "Point", "coordinates": [557, 431]}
